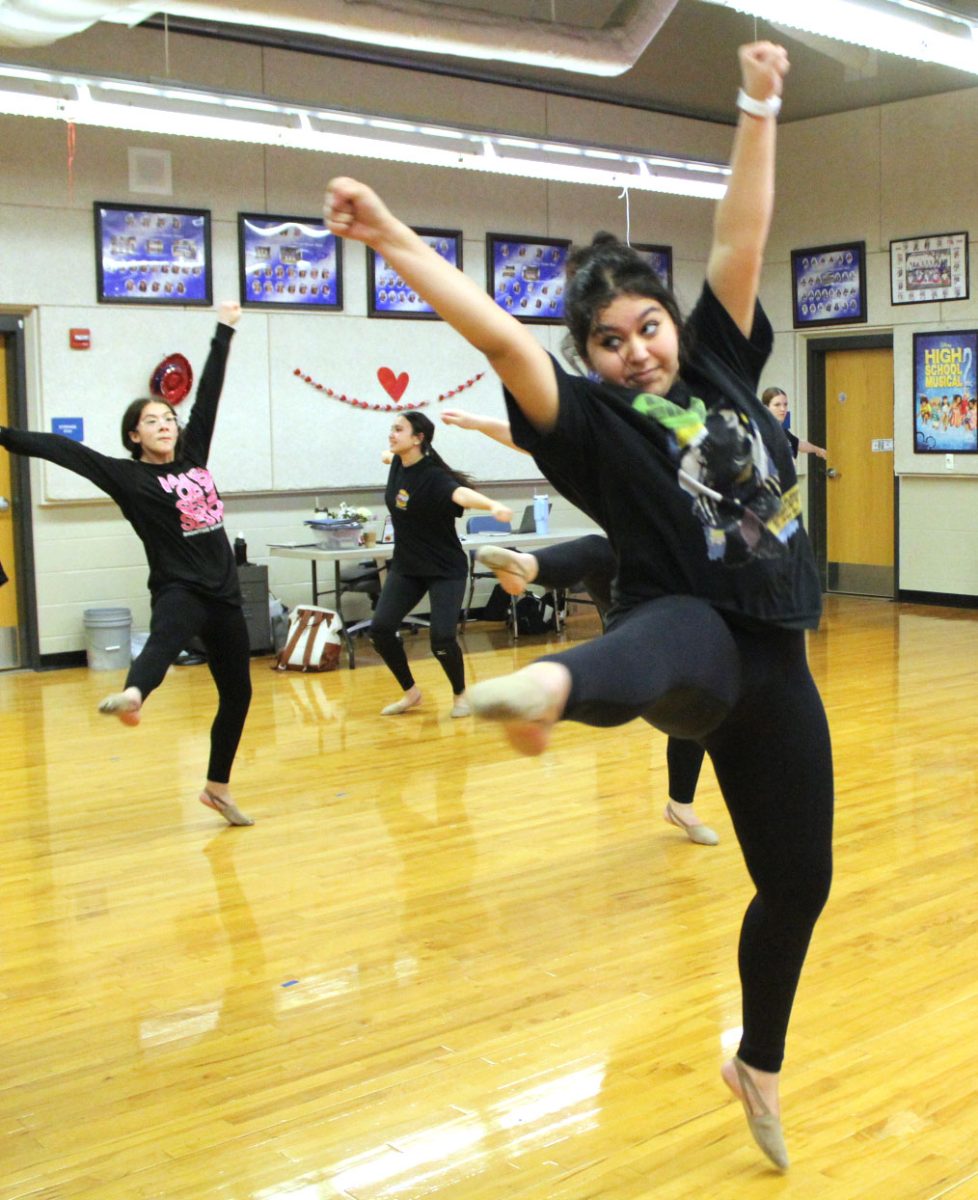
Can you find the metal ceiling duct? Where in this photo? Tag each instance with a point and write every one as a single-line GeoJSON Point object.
{"type": "Point", "coordinates": [412, 25]}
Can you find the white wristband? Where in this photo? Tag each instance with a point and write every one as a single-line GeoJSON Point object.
{"type": "Point", "coordinates": [758, 108]}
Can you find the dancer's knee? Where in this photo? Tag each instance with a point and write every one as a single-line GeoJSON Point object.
{"type": "Point", "coordinates": [799, 893]}
{"type": "Point", "coordinates": [382, 637]}
{"type": "Point", "coordinates": [688, 712]}
{"type": "Point", "coordinates": [442, 647]}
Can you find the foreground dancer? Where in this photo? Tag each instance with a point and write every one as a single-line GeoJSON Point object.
{"type": "Point", "coordinates": [169, 498]}
{"type": "Point", "coordinates": [424, 495]}
{"type": "Point", "coordinates": [589, 560]}
{"type": "Point", "coordinates": [694, 483]}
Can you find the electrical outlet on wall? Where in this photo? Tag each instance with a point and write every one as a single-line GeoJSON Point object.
{"type": "Point", "coordinates": [948, 462]}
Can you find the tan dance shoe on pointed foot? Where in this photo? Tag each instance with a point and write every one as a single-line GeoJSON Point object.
{"type": "Point", "coordinates": [121, 705]}
{"type": "Point", "coordinates": [699, 833]}
{"type": "Point", "coordinates": [227, 808]}
{"type": "Point", "coordinates": [522, 704]}
{"type": "Point", "coordinates": [508, 566]}
{"type": "Point", "coordinates": [763, 1124]}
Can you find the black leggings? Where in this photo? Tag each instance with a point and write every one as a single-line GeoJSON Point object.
{"type": "Point", "coordinates": [401, 593]}
{"type": "Point", "coordinates": [178, 616]}
{"type": "Point", "coordinates": [590, 560]}
{"type": "Point", "coordinates": [749, 698]}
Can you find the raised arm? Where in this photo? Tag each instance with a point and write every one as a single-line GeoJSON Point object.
{"type": "Point", "coordinates": [353, 210]}
{"type": "Point", "coordinates": [743, 216]}
{"type": "Point", "coordinates": [200, 427]}
{"type": "Point", "coordinates": [493, 427]}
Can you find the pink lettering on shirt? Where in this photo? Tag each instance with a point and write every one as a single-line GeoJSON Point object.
{"type": "Point", "coordinates": [198, 503]}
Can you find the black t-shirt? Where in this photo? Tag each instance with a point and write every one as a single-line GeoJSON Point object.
{"type": "Point", "coordinates": [423, 514]}
{"type": "Point", "coordinates": [174, 507]}
{"type": "Point", "coordinates": [792, 442]}
{"type": "Point", "coordinates": [696, 490]}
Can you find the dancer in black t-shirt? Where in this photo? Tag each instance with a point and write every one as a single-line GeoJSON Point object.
{"type": "Point", "coordinates": [689, 474]}
{"type": "Point", "coordinates": [424, 496]}
{"type": "Point", "coordinates": [168, 495]}
{"type": "Point", "coordinates": [589, 560]}
{"type": "Point", "coordinates": [776, 399]}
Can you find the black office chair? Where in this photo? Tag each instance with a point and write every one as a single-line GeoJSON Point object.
{"type": "Point", "coordinates": [364, 577]}
{"type": "Point", "coordinates": [486, 525]}
{"type": "Point", "coordinates": [577, 593]}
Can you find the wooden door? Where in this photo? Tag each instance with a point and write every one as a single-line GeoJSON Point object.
{"type": "Point", "coordinates": [860, 483]}
{"type": "Point", "coordinates": [9, 656]}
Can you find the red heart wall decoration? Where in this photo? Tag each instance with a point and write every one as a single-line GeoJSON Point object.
{"type": "Point", "coordinates": [393, 385]}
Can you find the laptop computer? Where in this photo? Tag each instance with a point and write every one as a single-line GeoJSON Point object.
{"type": "Point", "coordinates": [527, 522]}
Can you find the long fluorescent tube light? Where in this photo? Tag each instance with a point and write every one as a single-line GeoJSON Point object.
{"type": "Point", "coordinates": [890, 28]}
{"type": "Point", "coordinates": [188, 111]}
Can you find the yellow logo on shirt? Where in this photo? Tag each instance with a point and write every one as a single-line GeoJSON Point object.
{"type": "Point", "coordinates": [403, 496]}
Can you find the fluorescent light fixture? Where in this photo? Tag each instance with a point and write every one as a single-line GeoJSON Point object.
{"type": "Point", "coordinates": [903, 27]}
{"type": "Point", "coordinates": [172, 110]}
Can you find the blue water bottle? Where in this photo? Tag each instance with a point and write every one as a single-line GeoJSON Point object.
{"type": "Point", "coordinates": [541, 513]}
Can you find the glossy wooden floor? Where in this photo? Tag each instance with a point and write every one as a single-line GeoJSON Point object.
{"type": "Point", "coordinates": [434, 969]}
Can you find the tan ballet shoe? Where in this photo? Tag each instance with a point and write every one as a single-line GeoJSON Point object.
{"type": "Point", "coordinates": [763, 1124]}
{"type": "Point", "coordinates": [227, 808]}
{"type": "Point", "coordinates": [524, 706]}
{"type": "Point", "coordinates": [400, 706]}
{"type": "Point", "coordinates": [507, 566]}
{"type": "Point", "coordinates": [699, 833]}
{"type": "Point", "coordinates": [122, 706]}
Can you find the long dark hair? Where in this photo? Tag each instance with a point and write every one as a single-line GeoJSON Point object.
{"type": "Point", "coordinates": [130, 422]}
{"type": "Point", "coordinates": [425, 429]}
{"type": "Point", "coordinates": [597, 275]}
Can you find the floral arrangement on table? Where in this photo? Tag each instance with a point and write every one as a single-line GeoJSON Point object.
{"type": "Point", "coordinates": [346, 512]}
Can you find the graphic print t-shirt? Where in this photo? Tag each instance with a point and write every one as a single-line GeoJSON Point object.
{"type": "Point", "coordinates": [419, 499]}
{"type": "Point", "coordinates": [175, 508]}
{"type": "Point", "coordinates": [696, 490]}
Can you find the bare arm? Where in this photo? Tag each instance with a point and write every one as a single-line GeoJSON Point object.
{"type": "Point", "coordinates": [353, 210]}
{"type": "Point", "coordinates": [810, 448]}
{"type": "Point", "coordinates": [466, 497]}
{"type": "Point", "coordinates": [743, 217]}
{"type": "Point", "coordinates": [493, 427]}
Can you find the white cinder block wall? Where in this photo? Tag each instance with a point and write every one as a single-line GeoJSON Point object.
{"type": "Point", "coordinates": [846, 177]}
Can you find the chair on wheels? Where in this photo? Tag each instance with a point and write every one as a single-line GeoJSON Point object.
{"type": "Point", "coordinates": [364, 577]}
{"type": "Point", "coordinates": [486, 525]}
{"type": "Point", "coordinates": [577, 593]}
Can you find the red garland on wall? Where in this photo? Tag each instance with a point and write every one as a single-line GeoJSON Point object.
{"type": "Point", "coordinates": [343, 398]}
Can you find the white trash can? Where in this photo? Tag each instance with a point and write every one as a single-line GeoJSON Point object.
{"type": "Point", "coordinates": [108, 633]}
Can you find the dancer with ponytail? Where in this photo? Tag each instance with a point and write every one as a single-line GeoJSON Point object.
{"type": "Point", "coordinates": [676, 458]}
{"type": "Point", "coordinates": [424, 496]}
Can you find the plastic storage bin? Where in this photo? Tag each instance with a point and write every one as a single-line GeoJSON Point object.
{"type": "Point", "coordinates": [108, 638]}
{"type": "Point", "coordinates": [336, 534]}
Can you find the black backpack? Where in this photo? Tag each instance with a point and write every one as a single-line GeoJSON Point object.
{"type": "Point", "coordinates": [536, 614]}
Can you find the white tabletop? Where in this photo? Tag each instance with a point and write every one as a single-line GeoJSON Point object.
{"type": "Point", "coordinates": [471, 541]}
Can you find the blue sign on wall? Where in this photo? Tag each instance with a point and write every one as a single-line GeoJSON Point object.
{"type": "Point", "coordinates": [70, 427]}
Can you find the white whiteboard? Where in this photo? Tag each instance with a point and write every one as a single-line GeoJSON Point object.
{"type": "Point", "coordinates": [275, 432]}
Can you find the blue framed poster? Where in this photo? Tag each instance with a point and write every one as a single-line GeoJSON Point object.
{"type": "Point", "coordinates": [387, 293]}
{"type": "Point", "coordinates": [945, 416]}
{"type": "Point", "coordinates": [659, 259]}
{"type": "Point", "coordinates": [828, 285]}
{"type": "Point", "coordinates": [527, 275]}
{"type": "Point", "coordinates": [152, 255]}
{"type": "Point", "coordinates": [289, 262]}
